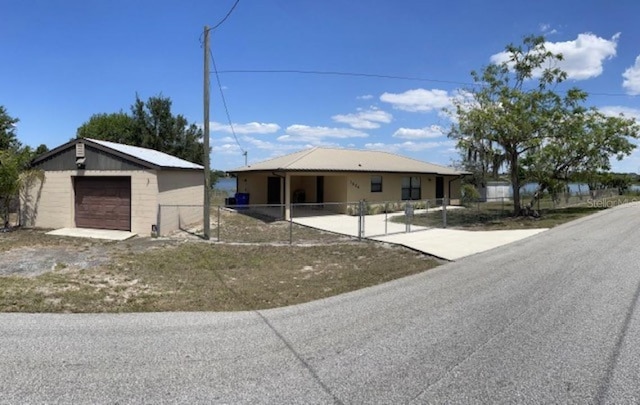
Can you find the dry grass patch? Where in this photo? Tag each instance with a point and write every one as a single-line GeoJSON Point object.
{"type": "Point", "coordinates": [212, 277]}
{"type": "Point", "coordinates": [251, 226]}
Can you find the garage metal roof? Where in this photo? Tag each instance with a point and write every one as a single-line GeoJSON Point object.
{"type": "Point", "coordinates": [347, 160]}
{"type": "Point", "coordinates": [154, 157]}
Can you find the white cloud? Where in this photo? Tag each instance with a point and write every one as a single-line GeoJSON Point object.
{"type": "Point", "coordinates": [228, 146]}
{"type": "Point", "coordinates": [631, 77]}
{"type": "Point", "coordinates": [432, 131]}
{"type": "Point", "coordinates": [615, 111]}
{"type": "Point", "coordinates": [365, 119]}
{"type": "Point", "coordinates": [408, 146]}
{"type": "Point", "coordinates": [248, 128]}
{"type": "Point", "coordinates": [418, 100]}
{"type": "Point", "coordinates": [365, 97]}
{"type": "Point", "coordinates": [314, 135]}
{"type": "Point", "coordinates": [547, 29]}
{"type": "Point", "coordinates": [583, 57]}
{"type": "Point", "coordinates": [225, 148]}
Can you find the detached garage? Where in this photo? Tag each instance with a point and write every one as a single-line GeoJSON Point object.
{"type": "Point", "coordinates": [105, 185]}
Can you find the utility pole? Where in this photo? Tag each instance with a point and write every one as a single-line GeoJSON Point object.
{"type": "Point", "coordinates": [205, 141]}
{"type": "Point", "coordinates": [245, 157]}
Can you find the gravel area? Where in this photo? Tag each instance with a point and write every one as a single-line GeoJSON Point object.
{"type": "Point", "coordinates": [31, 253]}
{"type": "Point", "coordinates": [32, 261]}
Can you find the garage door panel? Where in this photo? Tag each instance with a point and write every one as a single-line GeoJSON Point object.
{"type": "Point", "coordinates": [103, 202]}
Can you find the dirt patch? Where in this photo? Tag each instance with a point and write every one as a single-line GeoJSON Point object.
{"type": "Point", "coordinates": [29, 253]}
{"type": "Point", "coordinates": [42, 273]}
{"type": "Point", "coordinates": [32, 261]}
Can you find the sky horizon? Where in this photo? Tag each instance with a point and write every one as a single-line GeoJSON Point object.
{"type": "Point", "coordinates": [384, 70]}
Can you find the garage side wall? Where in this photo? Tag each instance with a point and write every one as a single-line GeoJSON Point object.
{"type": "Point", "coordinates": [180, 199]}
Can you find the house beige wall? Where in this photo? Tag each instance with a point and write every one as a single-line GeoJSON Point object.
{"type": "Point", "coordinates": [335, 188]}
{"type": "Point", "coordinates": [359, 186]}
{"type": "Point", "coordinates": [256, 185]}
{"type": "Point", "coordinates": [52, 203]}
{"type": "Point", "coordinates": [181, 198]}
{"type": "Point", "coordinates": [348, 187]}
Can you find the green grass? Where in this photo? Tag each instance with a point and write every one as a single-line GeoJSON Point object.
{"type": "Point", "coordinates": [498, 216]}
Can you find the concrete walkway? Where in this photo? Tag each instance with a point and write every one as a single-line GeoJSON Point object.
{"type": "Point", "coordinates": [105, 234]}
{"type": "Point", "coordinates": [449, 244]}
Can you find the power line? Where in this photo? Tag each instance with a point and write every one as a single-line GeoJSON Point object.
{"type": "Point", "coordinates": [382, 76]}
{"type": "Point", "coordinates": [224, 103]}
{"type": "Point", "coordinates": [226, 16]}
{"type": "Point", "coordinates": [351, 74]}
{"type": "Point", "coordinates": [221, 21]}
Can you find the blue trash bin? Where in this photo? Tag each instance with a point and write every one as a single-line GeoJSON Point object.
{"type": "Point", "coordinates": [242, 198]}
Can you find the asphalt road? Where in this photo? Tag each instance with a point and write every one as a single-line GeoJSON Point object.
{"type": "Point", "coordinates": [549, 319]}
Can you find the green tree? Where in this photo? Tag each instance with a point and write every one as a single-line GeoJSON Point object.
{"type": "Point", "coordinates": [41, 149]}
{"type": "Point", "coordinates": [582, 142]}
{"type": "Point", "coordinates": [114, 127]}
{"type": "Point", "coordinates": [515, 116]}
{"type": "Point", "coordinates": [8, 139]}
{"type": "Point", "coordinates": [15, 177]}
{"type": "Point", "coordinates": [215, 175]}
{"type": "Point", "coordinates": [150, 124]}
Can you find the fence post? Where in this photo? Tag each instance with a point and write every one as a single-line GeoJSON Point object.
{"type": "Point", "coordinates": [219, 225]}
{"type": "Point", "coordinates": [444, 212]}
{"type": "Point", "coordinates": [291, 225]}
{"type": "Point", "coordinates": [408, 216]}
{"type": "Point", "coordinates": [386, 215]}
{"type": "Point", "coordinates": [360, 219]}
{"type": "Point", "coordinates": [158, 225]}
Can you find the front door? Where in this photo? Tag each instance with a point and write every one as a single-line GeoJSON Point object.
{"type": "Point", "coordinates": [439, 187]}
{"type": "Point", "coordinates": [320, 189]}
{"type": "Point", "coordinates": [274, 192]}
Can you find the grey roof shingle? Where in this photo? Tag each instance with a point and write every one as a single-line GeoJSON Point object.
{"type": "Point", "coordinates": [347, 160]}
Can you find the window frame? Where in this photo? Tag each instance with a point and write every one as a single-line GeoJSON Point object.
{"type": "Point", "coordinates": [414, 190]}
{"type": "Point", "coordinates": [376, 187]}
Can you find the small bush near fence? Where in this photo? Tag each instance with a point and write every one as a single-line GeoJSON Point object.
{"type": "Point", "coordinates": [9, 212]}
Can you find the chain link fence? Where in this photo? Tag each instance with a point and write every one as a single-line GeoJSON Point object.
{"type": "Point", "coordinates": [322, 222]}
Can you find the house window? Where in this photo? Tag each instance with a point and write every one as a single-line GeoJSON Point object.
{"type": "Point", "coordinates": [411, 188]}
{"type": "Point", "coordinates": [376, 184]}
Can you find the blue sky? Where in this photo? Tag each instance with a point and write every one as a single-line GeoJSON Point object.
{"type": "Point", "coordinates": [64, 60]}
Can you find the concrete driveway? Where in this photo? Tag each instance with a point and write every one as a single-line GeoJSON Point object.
{"type": "Point", "coordinates": [449, 244]}
{"type": "Point", "coordinates": [554, 319]}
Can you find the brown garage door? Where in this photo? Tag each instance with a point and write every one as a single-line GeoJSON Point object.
{"type": "Point", "coordinates": [103, 202]}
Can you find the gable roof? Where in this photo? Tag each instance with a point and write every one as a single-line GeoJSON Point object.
{"type": "Point", "coordinates": [148, 158]}
{"type": "Point", "coordinates": [347, 160]}
{"type": "Point", "coordinates": [152, 156]}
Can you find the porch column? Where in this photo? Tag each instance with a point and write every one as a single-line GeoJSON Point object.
{"type": "Point", "coordinates": [287, 196]}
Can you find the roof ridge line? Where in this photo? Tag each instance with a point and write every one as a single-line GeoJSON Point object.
{"type": "Point", "coordinates": [302, 156]}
